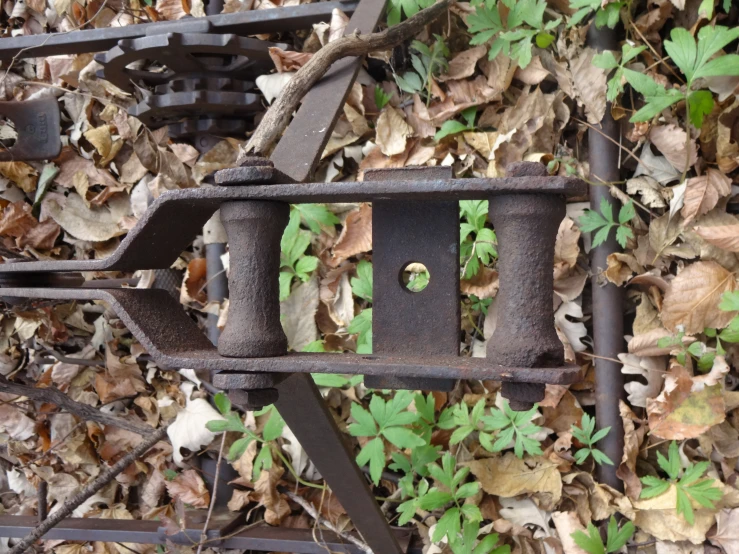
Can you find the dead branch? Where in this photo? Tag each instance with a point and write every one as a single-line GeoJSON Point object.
{"type": "Point", "coordinates": [280, 112]}
{"type": "Point", "coordinates": [90, 489]}
{"type": "Point", "coordinates": [84, 411]}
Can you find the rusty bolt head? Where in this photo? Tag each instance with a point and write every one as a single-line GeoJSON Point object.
{"type": "Point", "coordinates": [526, 169]}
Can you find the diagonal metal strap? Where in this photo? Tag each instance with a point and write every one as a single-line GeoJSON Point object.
{"type": "Point", "coordinates": [300, 149]}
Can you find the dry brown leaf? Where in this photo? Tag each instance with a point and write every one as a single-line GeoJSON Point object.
{"type": "Point", "coordinates": [288, 60]}
{"type": "Point", "coordinates": [392, 131]}
{"type": "Point", "coordinates": [726, 534]}
{"type": "Point", "coordinates": [652, 192]}
{"type": "Point", "coordinates": [670, 140]}
{"type": "Point", "coordinates": [463, 64]}
{"type": "Point", "coordinates": [566, 249]}
{"type": "Point", "coordinates": [590, 85]}
{"type": "Point", "coordinates": [93, 224]}
{"type": "Point", "coordinates": [276, 506]}
{"type": "Point", "coordinates": [356, 235]}
{"type": "Point", "coordinates": [509, 476]}
{"type": "Point", "coordinates": [483, 285]}
{"type": "Point", "coordinates": [727, 145]}
{"type": "Point", "coordinates": [703, 193]}
{"type": "Point", "coordinates": [18, 222]}
{"type": "Point", "coordinates": [189, 487]}
{"type": "Point", "coordinates": [658, 516]}
{"type": "Point", "coordinates": [566, 524]}
{"type": "Point", "coordinates": [298, 314]}
{"type": "Point", "coordinates": [21, 174]}
{"type": "Point", "coordinates": [621, 266]}
{"type": "Point", "coordinates": [633, 438]}
{"type": "Point", "coordinates": [70, 163]}
{"type": "Point", "coordinates": [685, 409]}
{"type": "Point", "coordinates": [693, 296]}
{"type": "Point", "coordinates": [534, 73]}
{"type": "Point", "coordinates": [724, 236]}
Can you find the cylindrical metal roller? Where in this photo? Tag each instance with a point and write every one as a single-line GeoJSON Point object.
{"type": "Point", "coordinates": [526, 226]}
{"type": "Point", "coordinates": [253, 326]}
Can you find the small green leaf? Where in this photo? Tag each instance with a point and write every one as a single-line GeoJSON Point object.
{"type": "Point", "coordinates": [590, 542]}
{"type": "Point", "coordinates": [381, 97]}
{"type": "Point", "coordinates": [448, 128]}
{"type": "Point", "coordinates": [222, 402]}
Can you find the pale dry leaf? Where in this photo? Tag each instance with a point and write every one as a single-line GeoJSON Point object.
{"type": "Point", "coordinates": [651, 369]}
{"type": "Point", "coordinates": [647, 344]}
{"type": "Point", "coordinates": [703, 193]}
{"type": "Point", "coordinates": [525, 513]}
{"type": "Point", "coordinates": [16, 423]}
{"type": "Point", "coordinates": [656, 167]}
{"type": "Point", "coordinates": [272, 84]}
{"type": "Point", "coordinates": [590, 87]}
{"type": "Point", "coordinates": [726, 534]}
{"type": "Point", "coordinates": [509, 476]}
{"type": "Point", "coordinates": [658, 516]}
{"type": "Point", "coordinates": [484, 284]}
{"type": "Point", "coordinates": [725, 237]}
{"type": "Point", "coordinates": [566, 524]}
{"type": "Point", "coordinates": [621, 266]}
{"type": "Point", "coordinates": [21, 174]}
{"type": "Point", "coordinates": [189, 487]}
{"type": "Point", "coordinates": [573, 330]}
{"type": "Point", "coordinates": [682, 412]}
{"type": "Point", "coordinates": [298, 314]}
{"type": "Point", "coordinates": [188, 429]}
{"type": "Point", "coordinates": [276, 506]}
{"type": "Point", "coordinates": [692, 298]}
{"type": "Point", "coordinates": [463, 64]}
{"type": "Point", "coordinates": [671, 140]}
{"type": "Point", "coordinates": [392, 131]}
{"type": "Point", "coordinates": [534, 73]}
{"type": "Point", "coordinates": [651, 191]}
{"type": "Point", "coordinates": [94, 224]}
{"type": "Point", "coordinates": [566, 249]}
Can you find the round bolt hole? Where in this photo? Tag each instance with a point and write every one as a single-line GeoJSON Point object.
{"type": "Point", "coordinates": [414, 277]}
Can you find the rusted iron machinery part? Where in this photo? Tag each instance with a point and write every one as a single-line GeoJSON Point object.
{"type": "Point", "coordinates": [608, 321]}
{"type": "Point", "coordinates": [196, 52]}
{"type": "Point", "coordinates": [252, 22]}
{"type": "Point", "coordinates": [175, 218]}
{"type": "Point", "coordinates": [38, 125]}
{"type": "Point", "coordinates": [404, 232]}
{"type": "Point", "coordinates": [207, 126]}
{"type": "Point", "coordinates": [526, 228]}
{"type": "Point", "coordinates": [157, 110]}
{"type": "Point", "coordinates": [190, 83]}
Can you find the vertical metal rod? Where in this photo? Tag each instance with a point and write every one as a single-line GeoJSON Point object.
{"type": "Point", "coordinates": [214, 237]}
{"type": "Point", "coordinates": [305, 412]}
{"type": "Point", "coordinates": [43, 507]}
{"type": "Point", "coordinates": [608, 328]}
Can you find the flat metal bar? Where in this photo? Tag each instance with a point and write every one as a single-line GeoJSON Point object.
{"type": "Point", "coordinates": [253, 22]}
{"type": "Point", "coordinates": [174, 340]}
{"type": "Point", "coordinates": [424, 323]}
{"type": "Point", "coordinates": [299, 150]}
{"type": "Point", "coordinates": [174, 220]}
{"type": "Point", "coordinates": [303, 409]}
{"type": "Point", "coordinates": [261, 538]}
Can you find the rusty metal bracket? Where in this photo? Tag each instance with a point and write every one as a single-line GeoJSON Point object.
{"type": "Point", "coordinates": [37, 123]}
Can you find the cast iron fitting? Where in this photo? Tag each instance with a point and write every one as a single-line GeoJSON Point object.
{"type": "Point", "coordinates": [526, 227]}
{"type": "Point", "coordinates": [253, 327]}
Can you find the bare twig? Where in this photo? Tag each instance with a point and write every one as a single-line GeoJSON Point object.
{"type": "Point", "coordinates": [312, 512]}
{"type": "Point", "coordinates": [57, 397]}
{"type": "Point", "coordinates": [204, 534]}
{"type": "Point", "coordinates": [278, 116]}
{"type": "Point", "coordinates": [89, 490]}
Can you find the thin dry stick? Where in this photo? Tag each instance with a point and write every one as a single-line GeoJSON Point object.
{"type": "Point", "coordinates": [204, 534]}
{"type": "Point", "coordinates": [86, 412]}
{"type": "Point", "coordinates": [312, 512]}
{"type": "Point", "coordinates": [88, 490]}
{"type": "Point", "coordinates": [278, 116]}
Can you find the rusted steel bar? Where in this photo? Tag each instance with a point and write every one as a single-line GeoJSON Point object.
{"type": "Point", "coordinates": [298, 152]}
{"type": "Point", "coordinates": [526, 226]}
{"type": "Point", "coordinates": [307, 415]}
{"type": "Point", "coordinates": [260, 538]}
{"type": "Point", "coordinates": [244, 23]}
{"type": "Point", "coordinates": [42, 511]}
{"type": "Point", "coordinates": [608, 327]}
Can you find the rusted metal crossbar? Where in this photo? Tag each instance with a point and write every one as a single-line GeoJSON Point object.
{"type": "Point", "coordinates": [415, 220]}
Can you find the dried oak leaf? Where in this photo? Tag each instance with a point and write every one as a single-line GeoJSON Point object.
{"type": "Point", "coordinates": [288, 60]}
{"type": "Point", "coordinates": [70, 163]}
{"type": "Point", "coordinates": [188, 487]}
{"type": "Point", "coordinates": [693, 296]}
{"type": "Point", "coordinates": [21, 174]}
{"type": "Point", "coordinates": [686, 408]}
{"type": "Point", "coordinates": [18, 222]}
{"type": "Point", "coordinates": [509, 476]}
{"type": "Point", "coordinates": [671, 141]}
{"type": "Point", "coordinates": [590, 85]}
{"type": "Point", "coordinates": [356, 235]}
{"type": "Point", "coordinates": [96, 224]}
{"type": "Point", "coordinates": [392, 131]}
{"type": "Point", "coordinates": [703, 193]}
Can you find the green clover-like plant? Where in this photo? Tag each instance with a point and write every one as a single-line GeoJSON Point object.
{"type": "Point", "coordinates": [615, 541]}
{"type": "Point", "coordinates": [586, 435]}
